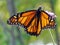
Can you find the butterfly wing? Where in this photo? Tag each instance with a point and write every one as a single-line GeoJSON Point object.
{"type": "Point", "coordinates": [12, 20]}
{"type": "Point", "coordinates": [34, 28]}
{"type": "Point", "coordinates": [46, 20]}
{"type": "Point", "coordinates": [22, 18]}
{"type": "Point", "coordinates": [25, 17]}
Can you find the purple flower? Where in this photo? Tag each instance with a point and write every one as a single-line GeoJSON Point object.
{"type": "Point", "coordinates": [51, 14]}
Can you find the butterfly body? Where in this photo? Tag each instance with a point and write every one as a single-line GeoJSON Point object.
{"type": "Point", "coordinates": [33, 20]}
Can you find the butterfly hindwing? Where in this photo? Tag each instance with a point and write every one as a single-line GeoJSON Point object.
{"type": "Point", "coordinates": [34, 28]}
{"type": "Point", "coordinates": [46, 20]}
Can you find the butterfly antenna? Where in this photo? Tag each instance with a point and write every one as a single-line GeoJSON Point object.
{"type": "Point", "coordinates": [52, 37]}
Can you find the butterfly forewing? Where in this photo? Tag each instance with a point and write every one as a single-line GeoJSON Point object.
{"type": "Point", "coordinates": [32, 29]}
{"type": "Point", "coordinates": [12, 20]}
{"type": "Point", "coordinates": [46, 20]}
{"type": "Point", "coordinates": [26, 17]}
{"type": "Point", "coordinates": [27, 13]}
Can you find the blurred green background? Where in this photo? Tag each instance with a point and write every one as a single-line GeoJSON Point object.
{"type": "Point", "coordinates": [10, 35]}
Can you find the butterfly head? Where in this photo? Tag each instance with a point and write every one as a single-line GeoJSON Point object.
{"type": "Point", "coordinates": [12, 20]}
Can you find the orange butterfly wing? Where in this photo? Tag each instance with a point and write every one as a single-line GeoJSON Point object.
{"type": "Point", "coordinates": [12, 20]}
{"type": "Point", "coordinates": [46, 21]}
{"type": "Point", "coordinates": [34, 28]}
{"type": "Point", "coordinates": [25, 17]}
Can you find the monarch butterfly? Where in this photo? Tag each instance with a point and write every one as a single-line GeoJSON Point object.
{"type": "Point", "coordinates": [33, 20]}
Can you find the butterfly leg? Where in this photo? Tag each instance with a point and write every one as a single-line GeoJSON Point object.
{"type": "Point", "coordinates": [18, 26]}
